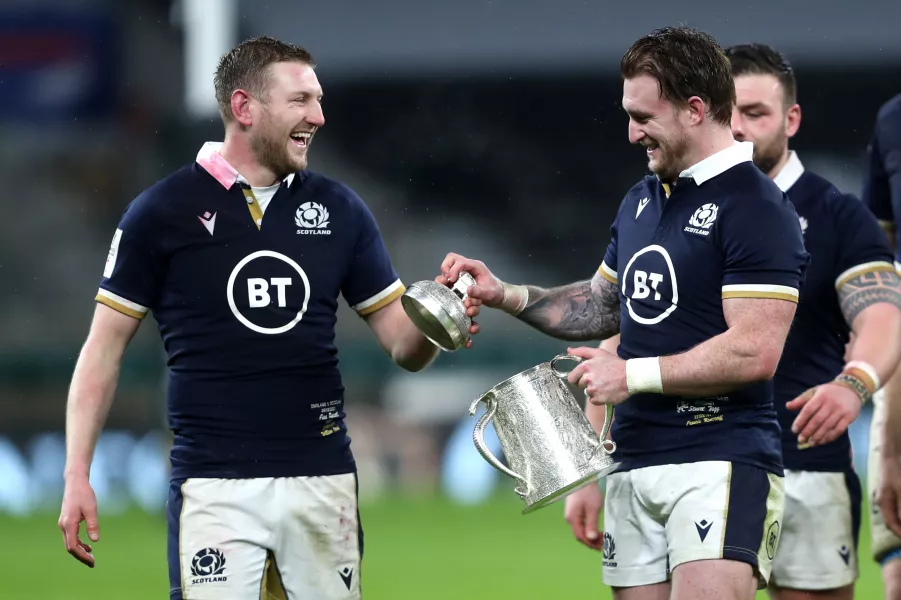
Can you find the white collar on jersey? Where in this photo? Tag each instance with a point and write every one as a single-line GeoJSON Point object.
{"type": "Point", "coordinates": [214, 164]}
{"type": "Point", "coordinates": [790, 173]}
{"type": "Point", "coordinates": [723, 160]}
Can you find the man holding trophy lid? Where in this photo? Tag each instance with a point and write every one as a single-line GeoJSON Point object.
{"type": "Point", "coordinates": [701, 280]}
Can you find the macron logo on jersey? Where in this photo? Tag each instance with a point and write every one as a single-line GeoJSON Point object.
{"type": "Point", "coordinates": [208, 220]}
{"type": "Point", "coordinates": [641, 204]}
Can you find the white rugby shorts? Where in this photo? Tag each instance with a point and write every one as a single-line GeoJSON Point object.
{"type": "Point", "coordinates": [818, 546]}
{"type": "Point", "coordinates": [264, 538]}
{"type": "Point", "coordinates": [657, 518]}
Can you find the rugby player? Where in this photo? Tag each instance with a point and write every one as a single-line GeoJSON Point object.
{"type": "Point", "coordinates": [882, 193]}
{"type": "Point", "coordinates": [851, 285]}
{"type": "Point", "coordinates": [701, 278]}
{"type": "Point", "coordinates": [241, 257]}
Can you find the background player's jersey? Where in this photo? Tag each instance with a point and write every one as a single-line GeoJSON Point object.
{"type": "Point", "coordinates": [844, 241]}
{"type": "Point", "coordinates": [246, 306]}
{"type": "Point", "coordinates": [882, 186]}
{"type": "Point", "coordinates": [725, 231]}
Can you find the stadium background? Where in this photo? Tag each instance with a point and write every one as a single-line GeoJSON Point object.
{"type": "Point", "coordinates": [490, 128]}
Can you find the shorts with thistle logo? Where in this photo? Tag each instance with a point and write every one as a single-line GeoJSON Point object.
{"type": "Point", "coordinates": [264, 538]}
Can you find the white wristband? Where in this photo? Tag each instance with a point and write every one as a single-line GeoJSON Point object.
{"type": "Point", "coordinates": [866, 368]}
{"type": "Point", "coordinates": [515, 298]}
{"type": "Point", "coordinates": [643, 376]}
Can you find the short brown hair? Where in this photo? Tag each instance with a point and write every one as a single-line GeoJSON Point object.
{"type": "Point", "coordinates": [246, 66]}
{"type": "Point", "coordinates": [760, 59]}
{"type": "Point", "coordinates": [685, 62]}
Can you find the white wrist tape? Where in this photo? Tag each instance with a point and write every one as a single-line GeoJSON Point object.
{"type": "Point", "coordinates": [866, 368]}
{"type": "Point", "coordinates": [643, 375]}
{"type": "Point", "coordinates": [515, 298]}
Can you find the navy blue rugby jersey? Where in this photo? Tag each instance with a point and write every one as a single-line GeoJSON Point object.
{"type": "Point", "coordinates": [724, 230]}
{"type": "Point", "coordinates": [882, 185]}
{"type": "Point", "coordinates": [246, 307]}
{"type": "Point", "coordinates": [844, 241]}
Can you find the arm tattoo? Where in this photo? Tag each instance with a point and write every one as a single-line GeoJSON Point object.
{"type": "Point", "coordinates": [587, 310]}
{"type": "Point", "coordinates": [868, 289]}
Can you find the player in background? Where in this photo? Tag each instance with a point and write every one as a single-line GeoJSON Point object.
{"type": "Point", "coordinates": [701, 278]}
{"type": "Point", "coordinates": [242, 256]}
{"type": "Point", "coordinates": [850, 286]}
{"type": "Point", "coordinates": [882, 193]}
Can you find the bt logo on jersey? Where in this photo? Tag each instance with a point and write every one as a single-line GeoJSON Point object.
{"type": "Point", "coordinates": [649, 285]}
{"type": "Point", "coordinates": [268, 292]}
{"type": "Point", "coordinates": [258, 291]}
{"type": "Point", "coordinates": [641, 284]}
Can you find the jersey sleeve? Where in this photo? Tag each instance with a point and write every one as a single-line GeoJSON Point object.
{"type": "Point", "coordinates": [371, 282]}
{"type": "Point", "coordinates": [135, 263]}
{"type": "Point", "coordinates": [608, 267]}
{"type": "Point", "coordinates": [861, 247]}
{"type": "Point", "coordinates": [764, 254]}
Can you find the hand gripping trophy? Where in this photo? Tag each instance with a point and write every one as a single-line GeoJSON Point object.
{"type": "Point", "coordinates": [550, 448]}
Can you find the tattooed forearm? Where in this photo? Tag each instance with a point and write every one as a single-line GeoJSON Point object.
{"type": "Point", "coordinates": [587, 310]}
{"type": "Point", "coordinates": [868, 289]}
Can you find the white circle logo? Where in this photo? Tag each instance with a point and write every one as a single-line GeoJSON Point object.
{"type": "Point", "coordinates": [649, 287]}
{"type": "Point", "coordinates": [269, 292]}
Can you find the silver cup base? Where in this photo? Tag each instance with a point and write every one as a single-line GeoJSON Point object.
{"type": "Point", "coordinates": [550, 495]}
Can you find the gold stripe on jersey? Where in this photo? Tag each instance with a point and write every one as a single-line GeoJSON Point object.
{"type": "Point", "coordinates": [774, 292]}
{"type": "Point", "coordinates": [667, 189]}
{"type": "Point", "coordinates": [862, 269]}
{"type": "Point", "coordinates": [381, 300]}
{"type": "Point", "coordinates": [120, 304]}
{"type": "Point", "coordinates": [256, 213]}
{"type": "Point", "coordinates": [608, 273]}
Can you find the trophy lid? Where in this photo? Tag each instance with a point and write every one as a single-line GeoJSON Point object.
{"type": "Point", "coordinates": [438, 313]}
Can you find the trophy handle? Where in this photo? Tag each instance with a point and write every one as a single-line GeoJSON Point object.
{"type": "Point", "coordinates": [565, 374]}
{"type": "Point", "coordinates": [608, 446]}
{"type": "Point", "coordinates": [478, 438]}
{"type": "Point", "coordinates": [559, 357]}
{"type": "Point", "coordinates": [462, 285]}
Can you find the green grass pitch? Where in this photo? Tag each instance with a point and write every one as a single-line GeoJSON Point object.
{"type": "Point", "coordinates": [415, 548]}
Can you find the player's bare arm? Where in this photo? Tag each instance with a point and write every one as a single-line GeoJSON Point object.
{"type": "Point", "coordinates": [400, 338]}
{"type": "Point", "coordinates": [90, 397]}
{"type": "Point", "coordinates": [582, 311]}
{"type": "Point", "coordinates": [586, 310]}
{"type": "Point", "coordinates": [871, 304]}
{"type": "Point", "coordinates": [747, 352]}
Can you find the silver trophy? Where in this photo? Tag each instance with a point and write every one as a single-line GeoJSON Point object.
{"type": "Point", "coordinates": [438, 311]}
{"type": "Point", "coordinates": [550, 447]}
